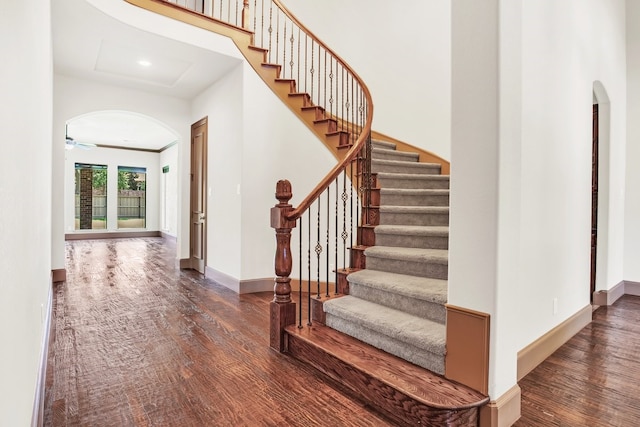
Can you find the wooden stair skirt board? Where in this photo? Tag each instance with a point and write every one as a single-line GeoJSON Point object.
{"type": "Point", "coordinates": [398, 389]}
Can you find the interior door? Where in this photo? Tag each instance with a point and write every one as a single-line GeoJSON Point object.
{"type": "Point", "coordinates": [594, 198]}
{"type": "Point", "coordinates": [197, 254]}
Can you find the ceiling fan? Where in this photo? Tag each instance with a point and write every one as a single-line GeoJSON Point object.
{"type": "Point", "coordinates": [70, 143]}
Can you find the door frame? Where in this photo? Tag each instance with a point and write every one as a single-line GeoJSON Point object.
{"type": "Point", "coordinates": [601, 98]}
{"type": "Point", "coordinates": [198, 217]}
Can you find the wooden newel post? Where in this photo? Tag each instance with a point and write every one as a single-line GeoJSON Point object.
{"type": "Point", "coordinates": [283, 310]}
{"type": "Point", "coordinates": [245, 14]}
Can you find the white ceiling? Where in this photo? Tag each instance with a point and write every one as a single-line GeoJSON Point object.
{"type": "Point", "coordinates": [90, 45]}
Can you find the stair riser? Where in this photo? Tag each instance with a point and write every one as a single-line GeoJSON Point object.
{"type": "Point", "coordinates": [407, 168]}
{"type": "Point", "coordinates": [412, 241]}
{"type": "Point", "coordinates": [387, 199]}
{"type": "Point", "coordinates": [394, 155]}
{"type": "Point", "coordinates": [397, 218]}
{"type": "Point", "coordinates": [412, 268]}
{"type": "Point", "coordinates": [420, 308]}
{"type": "Point", "coordinates": [435, 184]}
{"type": "Point", "coordinates": [421, 357]}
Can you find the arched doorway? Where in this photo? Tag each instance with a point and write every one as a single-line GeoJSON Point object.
{"type": "Point", "coordinates": [600, 144]}
{"type": "Point", "coordinates": [131, 155]}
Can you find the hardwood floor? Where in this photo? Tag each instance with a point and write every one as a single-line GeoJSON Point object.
{"type": "Point", "coordinates": [137, 342]}
{"type": "Point", "coordinates": [592, 380]}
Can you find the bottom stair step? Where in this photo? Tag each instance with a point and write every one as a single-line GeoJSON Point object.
{"type": "Point", "coordinates": [404, 392]}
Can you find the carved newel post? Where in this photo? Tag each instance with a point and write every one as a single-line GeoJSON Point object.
{"type": "Point", "coordinates": [283, 310]}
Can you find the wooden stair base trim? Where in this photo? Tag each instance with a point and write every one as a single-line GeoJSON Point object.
{"type": "Point", "coordinates": [281, 316]}
{"type": "Point", "coordinates": [343, 283]}
{"type": "Point", "coordinates": [367, 235]}
{"type": "Point", "coordinates": [403, 391]}
{"type": "Point", "coordinates": [504, 411]}
{"type": "Point", "coordinates": [317, 311]}
{"type": "Point", "coordinates": [467, 358]}
{"type": "Point", "coordinates": [358, 258]}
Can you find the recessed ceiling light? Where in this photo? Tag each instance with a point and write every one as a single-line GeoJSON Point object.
{"type": "Point", "coordinates": [144, 63]}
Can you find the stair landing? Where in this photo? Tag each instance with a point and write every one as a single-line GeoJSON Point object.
{"type": "Point", "coordinates": [400, 390]}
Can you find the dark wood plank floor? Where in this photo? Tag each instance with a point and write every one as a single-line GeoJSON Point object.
{"type": "Point", "coordinates": [592, 380]}
{"type": "Point", "coordinates": [137, 342]}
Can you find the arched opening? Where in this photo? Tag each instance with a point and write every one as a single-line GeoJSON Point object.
{"type": "Point", "coordinates": [121, 174]}
{"type": "Point", "coordinates": [600, 188]}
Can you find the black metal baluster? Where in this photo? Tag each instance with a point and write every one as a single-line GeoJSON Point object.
{"type": "Point", "coordinates": [300, 272]}
{"type": "Point", "coordinates": [328, 233]}
{"type": "Point", "coordinates": [335, 262]}
{"type": "Point", "coordinates": [318, 251]}
{"type": "Point", "coordinates": [309, 267]}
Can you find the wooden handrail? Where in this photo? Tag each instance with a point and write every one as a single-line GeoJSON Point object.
{"type": "Point", "coordinates": [360, 141]}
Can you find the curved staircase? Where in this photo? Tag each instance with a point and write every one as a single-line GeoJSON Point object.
{"type": "Point", "coordinates": [385, 342]}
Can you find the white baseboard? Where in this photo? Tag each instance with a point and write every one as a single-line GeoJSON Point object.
{"type": "Point", "coordinates": [608, 297]}
{"type": "Point", "coordinates": [239, 286]}
{"type": "Point", "coordinates": [502, 412]}
{"type": "Point", "coordinates": [536, 352]}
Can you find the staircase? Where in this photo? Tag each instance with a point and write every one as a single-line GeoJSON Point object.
{"type": "Point", "coordinates": [384, 342]}
{"type": "Point", "coordinates": [397, 302]}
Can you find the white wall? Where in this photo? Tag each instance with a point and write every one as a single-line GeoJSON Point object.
{"type": "Point", "coordinates": [567, 46]}
{"type": "Point", "coordinates": [632, 185]}
{"type": "Point", "coordinates": [277, 145]}
{"type": "Point", "coordinates": [254, 140]}
{"type": "Point", "coordinates": [222, 105]}
{"type": "Point", "coordinates": [532, 121]}
{"type": "Point", "coordinates": [113, 158]}
{"type": "Point", "coordinates": [402, 51]}
{"type": "Point", "coordinates": [74, 97]}
{"type": "Point", "coordinates": [169, 191]}
{"type": "Point", "coordinates": [25, 211]}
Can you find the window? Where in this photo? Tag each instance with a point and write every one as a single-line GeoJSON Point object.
{"type": "Point", "coordinates": [91, 197]}
{"type": "Point", "coordinates": [132, 190]}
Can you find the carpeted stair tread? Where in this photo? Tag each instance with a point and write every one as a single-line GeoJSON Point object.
{"type": "Point", "coordinates": [392, 154]}
{"type": "Point", "coordinates": [415, 331]}
{"type": "Point", "coordinates": [416, 191]}
{"type": "Point", "coordinates": [412, 180]}
{"type": "Point", "coordinates": [413, 230]}
{"type": "Point", "coordinates": [436, 256]}
{"type": "Point", "coordinates": [383, 144]}
{"type": "Point", "coordinates": [416, 209]}
{"type": "Point", "coordinates": [412, 236]}
{"type": "Point", "coordinates": [421, 288]}
{"type": "Point", "coordinates": [407, 164]}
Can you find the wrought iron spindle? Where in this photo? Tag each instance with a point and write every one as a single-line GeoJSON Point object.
{"type": "Point", "coordinates": [328, 227]}
{"type": "Point", "coordinates": [277, 34]}
{"type": "Point", "coordinates": [351, 216]}
{"type": "Point", "coordinates": [335, 250]}
{"type": "Point", "coordinates": [318, 251]}
{"type": "Point", "coordinates": [292, 63]}
{"type": "Point", "coordinates": [311, 71]}
{"type": "Point", "coordinates": [324, 89]}
{"type": "Point", "coordinates": [270, 28]}
{"type": "Point", "coordinates": [284, 50]}
{"type": "Point", "coordinates": [331, 87]}
{"type": "Point", "coordinates": [309, 268]}
{"type": "Point", "coordinates": [300, 223]}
